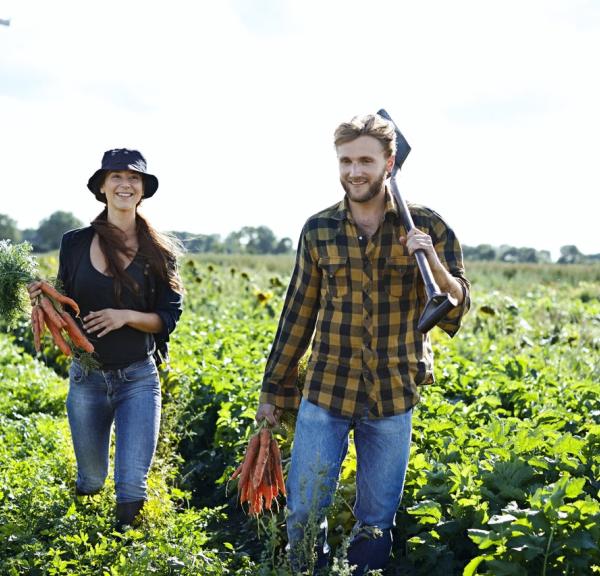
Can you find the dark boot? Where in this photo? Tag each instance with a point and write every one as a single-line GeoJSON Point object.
{"type": "Point", "coordinates": [79, 492]}
{"type": "Point", "coordinates": [369, 551]}
{"type": "Point", "coordinates": [127, 513]}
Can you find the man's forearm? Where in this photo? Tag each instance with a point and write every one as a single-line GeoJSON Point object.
{"type": "Point", "coordinates": [444, 279]}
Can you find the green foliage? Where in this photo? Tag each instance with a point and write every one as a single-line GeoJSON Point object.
{"type": "Point", "coordinates": [17, 268]}
{"type": "Point", "coordinates": [505, 461]}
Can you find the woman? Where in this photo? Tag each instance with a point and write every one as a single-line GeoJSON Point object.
{"type": "Point", "coordinates": [123, 275]}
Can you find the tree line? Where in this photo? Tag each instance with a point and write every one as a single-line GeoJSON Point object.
{"type": "Point", "coordinates": [248, 240]}
{"type": "Point", "coordinates": [569, 254]}
{"type": "Point", "coordinates": [262, 240]}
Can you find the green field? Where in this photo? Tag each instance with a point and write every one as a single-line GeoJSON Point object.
{"type": "Point", "coordinates": [504, 477]}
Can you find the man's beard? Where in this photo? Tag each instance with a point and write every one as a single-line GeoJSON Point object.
{"type": "Point", "coordinates": [373, 190]}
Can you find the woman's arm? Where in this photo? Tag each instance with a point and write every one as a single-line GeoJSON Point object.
{"type": "Point", "coordinates": [109, 319]}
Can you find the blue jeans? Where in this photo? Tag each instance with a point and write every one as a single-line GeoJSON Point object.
{"type": "Point", "coordinates": [129, 397]}
{"type": "Point", "coordinates": [320, 445]}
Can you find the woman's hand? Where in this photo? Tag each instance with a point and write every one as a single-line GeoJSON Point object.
{"type": "Point", "coordinates": [105, 321]}
{"type": "Point", "coordinates": [35, 289]}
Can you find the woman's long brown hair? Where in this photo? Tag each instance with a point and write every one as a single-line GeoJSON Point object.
{"type": "Point", "coordinates": [158, 250]}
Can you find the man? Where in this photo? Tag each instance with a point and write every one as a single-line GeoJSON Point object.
{"type": "Point", "coordinates": [356, 286]}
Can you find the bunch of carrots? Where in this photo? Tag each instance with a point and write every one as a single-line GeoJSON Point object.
{"type": "Point", "coordinates": [260, 473]}
{"type": "Point", "coordinates": [48, 312]}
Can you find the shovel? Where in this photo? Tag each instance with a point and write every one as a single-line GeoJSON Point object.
{"type": "Point", "coordinates": [438, 303]}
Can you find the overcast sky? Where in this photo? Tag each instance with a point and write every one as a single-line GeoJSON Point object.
{"type": "Point", "coordinates": [234, 103]}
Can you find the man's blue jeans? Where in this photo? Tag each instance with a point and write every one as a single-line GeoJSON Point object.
{"type": "Point", "coordinates": [320, 445]}
{"type": "Point", "coordinates": [131, 398]}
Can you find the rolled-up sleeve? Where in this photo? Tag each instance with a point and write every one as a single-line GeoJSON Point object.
{"type": "Point", "coordinates": [449, 251]}
{"type": "Point", "coordinates": [169, 305]}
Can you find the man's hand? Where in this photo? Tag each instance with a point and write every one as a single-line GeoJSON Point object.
{"type": "Point", "coordinates": [269, 412]}
{"type": "Point", "coordinates": [418, 240]}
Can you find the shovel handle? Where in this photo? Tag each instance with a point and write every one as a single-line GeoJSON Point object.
{"type": "Point", "coordinates": [438, 303]}
{"type": "Point", "coordinates": [431, 286]}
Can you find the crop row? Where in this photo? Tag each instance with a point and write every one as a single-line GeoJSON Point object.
{"type": "Point", "coordinates": [505, 462]}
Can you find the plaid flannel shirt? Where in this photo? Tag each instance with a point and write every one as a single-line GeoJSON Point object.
{"type": "Point", "coordinates": [361, 298]}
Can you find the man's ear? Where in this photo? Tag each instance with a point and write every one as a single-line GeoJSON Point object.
{"type": "Point", "coordinates": [389, 165]}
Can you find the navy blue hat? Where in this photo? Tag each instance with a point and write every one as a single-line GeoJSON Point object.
{"type": "Point", "coordinates": [122, 159]}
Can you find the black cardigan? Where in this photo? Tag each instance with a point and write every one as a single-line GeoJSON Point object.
{"type": "Point", "coordinates": [157, 294]}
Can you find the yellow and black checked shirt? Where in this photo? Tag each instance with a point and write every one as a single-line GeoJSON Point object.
{"type": "Point", "coordinates": [361, 298]}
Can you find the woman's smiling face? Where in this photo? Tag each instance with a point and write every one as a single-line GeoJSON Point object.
{"type": "Point", "coordinates": [123, 189]}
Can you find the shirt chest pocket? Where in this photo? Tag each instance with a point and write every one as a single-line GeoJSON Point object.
{"type": "Point", "coordinates": [335, 275]}
{"type": "Point", "coordinates": [400, 275]}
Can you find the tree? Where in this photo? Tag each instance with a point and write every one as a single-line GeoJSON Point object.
{"type": "Point", "coordinates": [508, 253]}
{"type": "Point", "coordinates": [232, 243]}
{"type": "Point", "coordinates": [569, 255]}
{"type": "Point", "coordinates": [261, 240]}
{"type": "Point", "coordinates": [197, 243]}
{"type": "Point", "coordinates": [205, 243]}
{"type": "Point", "coordinates": [8, 229]}
{"type": "Point", "coordinates": [51, 230]}
{"type": "Point", "coordinates": [485, 252]}
{"type": "Point", "coordinates": [527, 255]}
{"type": "Point", "coordinates": [544, 256]}
{"type": "Point", "coordinates": [284, 246]}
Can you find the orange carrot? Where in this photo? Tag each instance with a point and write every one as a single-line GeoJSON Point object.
{"type": "Point", "coordinates": [237, 472]}
{"type": "Point", "coordinates": [260, 476]}
{"type": "Point", "coordinates": [40, 319]}
{"type": "Point", "coordinates": [51, 313]}
{"type": "Point", "coordinates": [75, 333]}
{"type": "Point", "coordinates": [267, 486]}
{"type": "Point", "coordinates": [57, 337]}
{"type": "Point", "coordinates": [247, 493]}
{"type": "Point", "coordinates": [278, 469]}
{"type": "Point", "coordinates": [35, 328]}
{"type": "Point", "coordinates": [263, 457]}
{"type": "Point", "coordinates": [54, 293]}
{"type": "Point", "coordinates": [248, 463]}
{"type": "Point", "coordinates": [256, 504]}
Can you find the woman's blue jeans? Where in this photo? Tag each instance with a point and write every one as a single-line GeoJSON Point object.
{"type": "Point", "coordinates": [129, 397]}
{"type": "Point", "coordinates": [320, 445]}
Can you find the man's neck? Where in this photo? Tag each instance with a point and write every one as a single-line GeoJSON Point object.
{"type": "Point", "coordinates": [368, 214]}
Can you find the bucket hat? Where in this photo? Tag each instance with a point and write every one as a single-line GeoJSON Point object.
{"type": "Point", "coordinates": [122, 159]}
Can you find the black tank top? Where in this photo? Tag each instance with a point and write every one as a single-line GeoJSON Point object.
{"type": "Point", "coordinates": [94, 291]}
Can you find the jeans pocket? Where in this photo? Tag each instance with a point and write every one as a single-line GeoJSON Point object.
{"type": "Point", "coordinates": [140, 371]}
{"type": "Point", "coordinates": [76, 373]}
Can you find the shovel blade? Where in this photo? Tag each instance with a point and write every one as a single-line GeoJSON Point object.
{"type": "Point", "coordinates": [402, 146]}
{"type": "Point", "coordinates": [436, 308]}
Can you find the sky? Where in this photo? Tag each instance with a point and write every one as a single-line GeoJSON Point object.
{"type": "Point", "coordinates": [234, 104]}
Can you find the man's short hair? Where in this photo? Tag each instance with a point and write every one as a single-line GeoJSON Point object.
{"type": "Point", "coordinates": [368, 125]}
